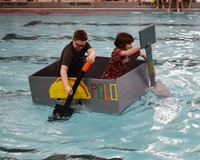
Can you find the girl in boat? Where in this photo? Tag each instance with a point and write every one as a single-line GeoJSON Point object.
{"type": "Point", "coordinates": [121, 56]}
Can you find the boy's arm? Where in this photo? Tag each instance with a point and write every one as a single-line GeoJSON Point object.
{"type": "Point", "coordinates": [92, 55]}
{"type": "Point", "coordinates": [64, 77]}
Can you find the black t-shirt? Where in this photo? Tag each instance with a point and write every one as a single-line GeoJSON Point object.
{"type": "Point", "coordinates": [72, 59]}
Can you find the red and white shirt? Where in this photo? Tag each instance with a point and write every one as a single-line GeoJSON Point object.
{"type": "Point", "coordinates": [118, 64]}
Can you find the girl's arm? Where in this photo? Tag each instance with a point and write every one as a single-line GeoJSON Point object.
{"type": "Point", "coordinates": [142, 54]}
{"type": "Point", "coordinates": [130, 51]}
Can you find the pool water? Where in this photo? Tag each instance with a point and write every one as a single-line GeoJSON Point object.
{"type": "Point", "coordinates": [152, 128]}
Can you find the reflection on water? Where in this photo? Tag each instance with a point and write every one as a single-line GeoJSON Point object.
{"type": "Point", "coordinates": [29, 59]}
{"type": "Point", "coordinates": [151, 128]}
{"type": "Point", "coordinates": [14, 36]}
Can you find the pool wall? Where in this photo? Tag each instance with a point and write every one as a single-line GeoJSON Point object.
{"type": "Point", "coordinates": [105, 7]}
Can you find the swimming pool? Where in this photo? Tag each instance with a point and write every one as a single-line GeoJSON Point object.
{"type": "Point", "coordinates": [151, 128]}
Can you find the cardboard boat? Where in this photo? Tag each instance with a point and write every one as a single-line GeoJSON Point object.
{"type": "Point", "coordinates": [103, 95]}
{"type": "Point", "coordinates": [96, 94]}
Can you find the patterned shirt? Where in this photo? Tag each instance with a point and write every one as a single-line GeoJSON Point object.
{"type": "Point", "coordinates": [118, 64]}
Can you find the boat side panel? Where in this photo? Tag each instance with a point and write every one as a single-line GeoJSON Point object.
{"type": "Point", "coordinates": [52, 70]}
{"type": "Point", "coordinates": [104, 96]}
{"type": "Point", "coordinates": [40, 89]}
{"type": "Point", "coordinates": [132, 86]}
{"type": "Point", "coordinates": [134, 64]}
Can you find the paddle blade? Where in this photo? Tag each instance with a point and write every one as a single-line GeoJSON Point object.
{"type": "Point", "coordinates": [160, 89]}
{"type": "Point", "coordinates": [61, 113]}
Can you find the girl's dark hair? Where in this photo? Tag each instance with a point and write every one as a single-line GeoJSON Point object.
{"type": "Point", "coordinates": [81, 35]}
{"type": "Point", "coordinates": [122, 39]}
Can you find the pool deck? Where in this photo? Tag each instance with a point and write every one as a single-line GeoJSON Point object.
{"type": "Point", "coordinates": [88, 7]}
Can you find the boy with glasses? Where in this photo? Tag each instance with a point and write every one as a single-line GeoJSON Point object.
{"type": "Point", "coordinates": [72, 57]}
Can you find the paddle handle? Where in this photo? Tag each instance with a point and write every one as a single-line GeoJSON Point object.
{"type": "Point", "coordinates": [86, 66]}
{"type": "Point", "coordinates": [150, 65]}
{"type": "Point", "coordinates": [76, 83]}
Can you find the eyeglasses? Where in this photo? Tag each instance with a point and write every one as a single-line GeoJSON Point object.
{"type": "Point", "coordinates": [79, 45]}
